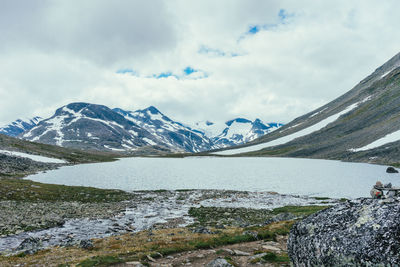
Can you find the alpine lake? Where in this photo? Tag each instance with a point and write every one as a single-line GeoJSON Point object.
{"type": "Point", "coordinates": [292, 176]}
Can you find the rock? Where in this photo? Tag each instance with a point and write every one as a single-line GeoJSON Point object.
{"type": "Point", "coordinates": [240, 253]}
{"type": "Point", "coordinates": [362, 232]}
{"type": "Point", "coordinates": [229, 251]}
{"type": "Point", "coordinates": [150, 258]}
{"type": "Point", "coordinates": [134, 263]}
{"type": "Point", "coordinates": [286, 216]}
{"type": "Point", "coordinates": [29, 245]}
{"type": "Point", "coordinates": [391, 170]}
{"type": "Point", "coordinates": [202, 230]}
{"type": "Point", "coordinates": [219, 263]}
{"type": "Point", "coordinates": [86, 244]}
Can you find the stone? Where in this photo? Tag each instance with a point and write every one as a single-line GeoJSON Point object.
{"type": "Point", "coordinates": [286, 216]}
{"type": "Point", "coordinates": [150, 258]}
{"type": "Point", "coordinates": [202, 230]}
{"type": "Point", "coordinates": [391, 170]}
{"type": "Point", "coordinates": [134, 263]}
{"type": "Point", "coordinates": [240, 253]}
{"type": "Point", "coordinates": [218, 262]}
{"type": "Point", "coordinates": [361, 232]}
{"type": "Point", "coordinates": [29, 245]}
{"type": "Point", "coordinates": [86, 244]}
{"type": "Point", "coordinates": [271, 248]}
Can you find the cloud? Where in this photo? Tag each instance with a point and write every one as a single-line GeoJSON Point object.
{"type": "Point", "coordinates": [184, 57]}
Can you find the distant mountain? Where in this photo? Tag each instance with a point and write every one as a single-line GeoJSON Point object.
{"type": "Point", "coordinates": [90, 126]}
{"type": "Point", "coordinates": [361, 125]}
{"type": "Point", "coordinates": [19, 126]}
{"type": "Point", "coordinates": [97, 127]}
{"type": "Point", "coordinates": [170, 133]}
{"type": "Point", "coordinates": [235, 132]}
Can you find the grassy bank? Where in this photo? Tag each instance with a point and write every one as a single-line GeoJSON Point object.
{"type": "Point", "coordinates": [26, 190]}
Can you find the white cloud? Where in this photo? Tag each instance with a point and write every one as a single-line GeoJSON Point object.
{"type": "Point", "coordinates": [53, 53]}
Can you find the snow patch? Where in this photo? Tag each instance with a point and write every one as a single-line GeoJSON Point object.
{"type": "Point", "coordinates": [150, 142]}
{"type": "Point", "coordinates": [389, 138]}
{"type": "Point", "coordinates": [32, 157]}
{"type": "Point", "coordinates": [290, 137]}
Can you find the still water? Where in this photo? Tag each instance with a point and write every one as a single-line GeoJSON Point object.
{"type": "Point", "coordinates": [308, 177]}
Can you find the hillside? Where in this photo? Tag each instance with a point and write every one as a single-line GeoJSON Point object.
{"type": "Point", "coordinates": [361, 125]}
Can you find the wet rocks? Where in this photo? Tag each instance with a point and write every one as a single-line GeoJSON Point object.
{"type": "Point", "coordinates": [86, 244]}
{"type": "Point", "coordinates": [363, 232]}
{"type": "Point", "coordinates": [391, 170]}
{"type": "Point", "coordinates": [29, 245]}
{"type": "Point", "coordinates": [219, 263]}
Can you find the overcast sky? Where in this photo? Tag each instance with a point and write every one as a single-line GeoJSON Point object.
{"type": "Point", "coordinates": [194, 60]}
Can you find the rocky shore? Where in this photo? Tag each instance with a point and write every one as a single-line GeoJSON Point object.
{"type": "Point", "coordinates": [66, 223]}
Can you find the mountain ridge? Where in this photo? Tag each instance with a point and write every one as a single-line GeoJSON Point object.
{"type": "Point", "coordinates": [368, 112]}
{"type": "Point", "coordinates": [97, 127]}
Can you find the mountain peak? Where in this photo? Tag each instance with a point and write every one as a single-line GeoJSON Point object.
{"type": "Point", "coordinates": [239, 120]}
{"type": "Point", "coordinates": [152, 109]}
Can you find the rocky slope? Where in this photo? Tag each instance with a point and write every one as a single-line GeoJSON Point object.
{"type": "Point", "coordinates": [19, 126]}
{"type": "Point", "coordinates": [364, 232]}
{"type": "Point", "coordinates": [89, 126]}
{"type": "Point", "coordinates": [171, 134]}
{"type": "Point", "coordinates": [361, 125]}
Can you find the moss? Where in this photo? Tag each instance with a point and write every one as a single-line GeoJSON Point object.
{"type": "Point", "coordinates": [299, 210]}
{"type": "Point", "coordinates": [26, 190]}
{"type": "Point", "coordinates": [100, 261]}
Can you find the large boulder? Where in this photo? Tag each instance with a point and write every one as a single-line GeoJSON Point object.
{"type": "Point", "coordinates": [362, 232]}
{"type": "Point", "coordinates": [391, 170]}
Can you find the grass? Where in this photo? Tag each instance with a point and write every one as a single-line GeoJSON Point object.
{"type": "Point", "coordinates": [100, 261]}
{"type": "Point", "coordinates": [26, 190]}
{"type": "Point", "coordinates": [299, 210]}
{"type": "Point", "coordinates": [136, 247]}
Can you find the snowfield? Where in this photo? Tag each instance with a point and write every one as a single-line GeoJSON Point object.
{"type": "Point", "coordinates": [290, 137]}
{"type": "Point", "coordinates": [32, 157]}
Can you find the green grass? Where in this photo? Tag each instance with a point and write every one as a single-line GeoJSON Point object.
{"type": "Point", "coordinates": [299, 210]}
{"type": "Point", "coordinates": [26, 190]}
{"type": "Point", "coordinates": [100, 261]}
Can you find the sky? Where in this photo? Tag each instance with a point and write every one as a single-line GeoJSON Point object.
{"type": "Point", "coordinates": [193, 60]}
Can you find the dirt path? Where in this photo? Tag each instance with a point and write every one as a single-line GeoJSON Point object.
{"type": "Point", "coordinates": [243, 254]}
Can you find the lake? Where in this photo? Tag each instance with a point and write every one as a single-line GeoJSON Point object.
{"type": "Point", "coordinates": [309, 177]}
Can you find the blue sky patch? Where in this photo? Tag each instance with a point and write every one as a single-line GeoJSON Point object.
{"type": "Point", "coordinates": [254, 29]}
{"type": "Point", "coordinates": [283, 17]}
{"type": "Point", "coordinates": [127, 70]}
{"type": "Point", "coordinates": [189, 70]}
{"type": "Point", "coordinates": [164, 75]}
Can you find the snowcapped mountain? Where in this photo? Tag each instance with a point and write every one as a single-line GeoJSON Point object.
{"type": "Point", "coordinates": [361, 125]}
{"type": "Point", "coordinates": [97, 127]}
{"type": "Point", "coordinates": [235, 132]}
{"type": "Point", "coordinates": [19, 126]}
{"type": "Point", "coordinates": [90, 126]}
{"type": "Point", "coordinates": [168, 132]}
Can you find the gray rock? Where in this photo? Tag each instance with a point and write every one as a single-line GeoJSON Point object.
{"type": "Point", "coordinates": [287, 216]}
{"type": "Point", "coordinates": [363, 232]}
{"type": "Point", "coordinates": [391, 170]}
{"type": "Point", "coordinates": [29, 245]}
{"type": "Point", "coordinates": [86, 244]}
{"type": "Point", "coordinates": [219, 263]}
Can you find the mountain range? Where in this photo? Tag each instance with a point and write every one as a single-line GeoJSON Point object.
{"type": "Point", "coordinates": [361, 125]}
{"type": "Point", "coordinates": [97, 127]}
